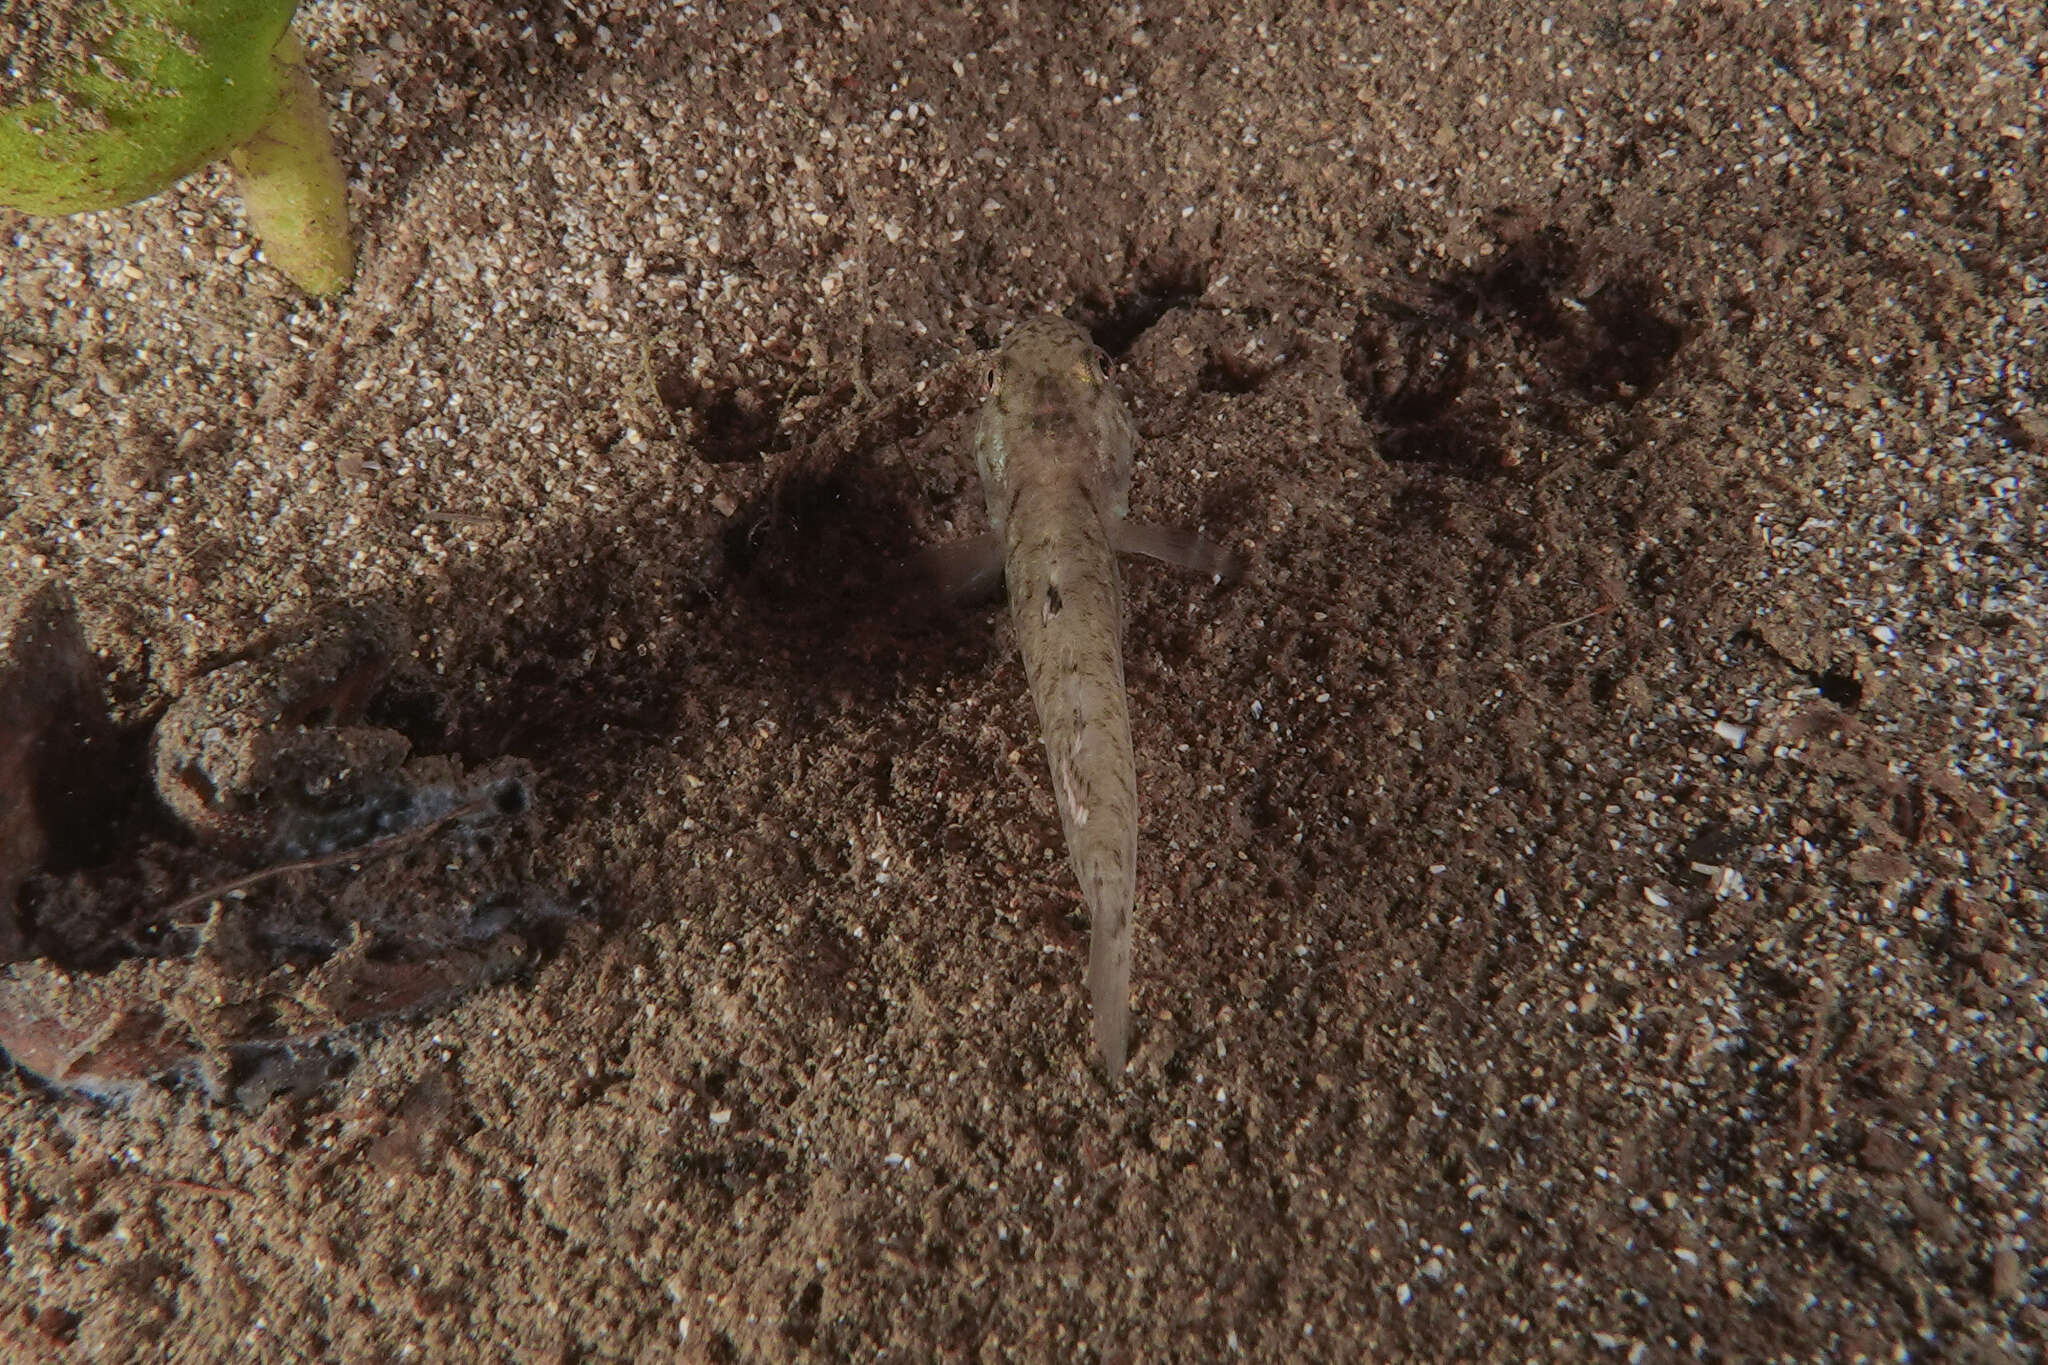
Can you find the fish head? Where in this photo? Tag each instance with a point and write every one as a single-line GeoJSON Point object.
{"type": "Point", "coordinates": [1050, 410]}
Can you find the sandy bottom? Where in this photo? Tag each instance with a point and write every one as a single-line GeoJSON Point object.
{"type": "Point", "coordinates": [1592, 883]}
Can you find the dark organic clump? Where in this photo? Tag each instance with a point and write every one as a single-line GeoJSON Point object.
{"type": "Point", "coordinates": [280, 759]}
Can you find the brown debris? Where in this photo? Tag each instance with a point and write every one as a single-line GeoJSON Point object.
{"type": "Point", "coordinates": [1878, 867]}
{"type": "Point", "coordinates": [55, 737]}
{"type": "Point", "coordinates": [270, 756]}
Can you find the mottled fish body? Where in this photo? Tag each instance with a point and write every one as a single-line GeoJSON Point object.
{"type": "Point", "coordinates": [1054, 447]}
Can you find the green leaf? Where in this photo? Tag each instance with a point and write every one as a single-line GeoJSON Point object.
{"type": "Point", "coordinates": [109, 101]}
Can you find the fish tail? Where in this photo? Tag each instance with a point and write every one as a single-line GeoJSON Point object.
{"type": "Point", "coordinates": [1104, 854]}
{"type": "Point", "coordinates": [1109, 986]}
{"type": "Point", "coordinates": [1067, 605]}
{"type": "Point", "coordinates": [1102, 843]}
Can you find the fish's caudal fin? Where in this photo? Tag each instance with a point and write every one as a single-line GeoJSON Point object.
{"type": "Point", "coordinates": [1088, 739]}
{"type": "Point", "coordinates": [1067, 609]}
{"type": "Point", "coordinates": [1109, 985]}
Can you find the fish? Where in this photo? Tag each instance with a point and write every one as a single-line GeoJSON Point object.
{"type": "Point", "coordinates": [1055, 447]}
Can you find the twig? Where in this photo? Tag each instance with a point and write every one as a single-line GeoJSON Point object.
{"type": "Point", "coordinates": [894, 417]}
{"type": "Point", "coordinates": [201, 1187]}
{"type": "Point", "coordinates": [1603, 609]}
{"type": "Point", "coordinates": [653, 398]}
{"type": "Point", "coordinates": [464, 518]}
{"type": "Point", "coordinates": [357, 853]}
{"type": "Point", "coordinates": [864, 296]}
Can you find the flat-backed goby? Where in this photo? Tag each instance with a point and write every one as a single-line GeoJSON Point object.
{"type": "Point", "coordinates": [1054, 447]}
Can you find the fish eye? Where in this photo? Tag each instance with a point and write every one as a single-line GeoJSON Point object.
{"type": "Point", "coordinates": [988, 379]}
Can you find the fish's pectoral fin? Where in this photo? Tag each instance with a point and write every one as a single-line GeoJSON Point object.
{"type": "Point", "coordinates": [1182, 548]}
{"type": "Point", "coordinates": [964, 571]}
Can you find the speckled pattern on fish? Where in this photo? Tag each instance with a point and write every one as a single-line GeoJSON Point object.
{"type": "Point", "coordinates": [1054, 447]}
